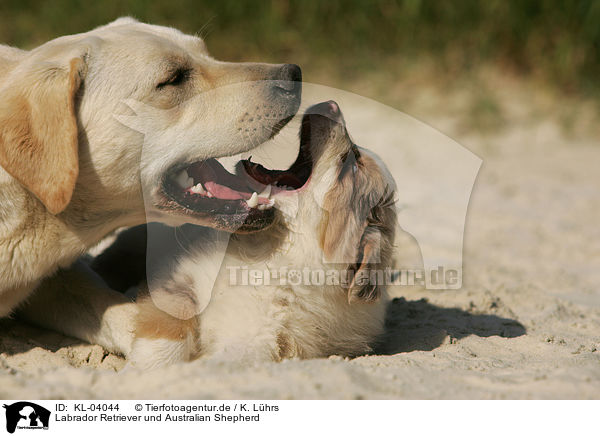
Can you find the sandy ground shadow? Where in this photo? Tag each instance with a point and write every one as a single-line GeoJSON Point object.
{"type": "Point", "coordinates": [410, 326]}
{"type": "Point", "coordinates": [422, 326]}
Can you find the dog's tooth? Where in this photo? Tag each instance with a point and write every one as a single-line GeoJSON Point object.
{"type": "Point", "coordinates": [253, 201]}
{"type": "Point", "coordinates": [189, 183]}
{"type": "Point", "coordinates": [266, 193]}
{"type": "Point", "coordinates": [198, 189]}
{"type": "Point", "coordinates": [268, 205]}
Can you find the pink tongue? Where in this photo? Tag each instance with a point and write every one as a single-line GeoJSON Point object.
{"type": "Point", "coordinates": [225, 193]}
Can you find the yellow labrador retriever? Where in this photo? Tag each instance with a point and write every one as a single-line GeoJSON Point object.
{"type": "Point", "coordinates": [71, 172]}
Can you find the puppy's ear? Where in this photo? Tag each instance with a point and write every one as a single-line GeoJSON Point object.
{"type": "Point", "coordinates": [344, 212]}
{"type": "Point", "coordinates": [38, 128]}
{"type": "Point", "coordinates": [364, 286]}
{"type": "Point", "coordinates": [358, 226]}
{"type": "Point", "coordinates": [375, 252]}
{"type": "Point", "coordinates": [347, 238]}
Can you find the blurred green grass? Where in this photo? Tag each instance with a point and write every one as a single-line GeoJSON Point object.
{"type": "Point", "coordinates": [557, 41]}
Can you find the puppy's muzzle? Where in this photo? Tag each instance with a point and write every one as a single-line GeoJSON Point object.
{"type": "Point", "coordinates": [328, 109]}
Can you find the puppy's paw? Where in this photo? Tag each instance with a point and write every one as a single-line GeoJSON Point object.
{"type": "Point", "coordinates": [161, 339]}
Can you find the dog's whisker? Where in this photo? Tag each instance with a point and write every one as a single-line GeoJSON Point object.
{"type": "Point", "coordinates": [205, 29]}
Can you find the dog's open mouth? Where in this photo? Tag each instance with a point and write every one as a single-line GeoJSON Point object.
{"type": "Point", "coordinates": [206, 187]}
{"type": "Point", "coordinates": [292, 179]}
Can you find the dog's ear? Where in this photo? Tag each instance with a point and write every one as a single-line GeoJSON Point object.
{"type": "Point", "coordinates": [38, 128]}
{"type": "Point", "coordinates": [347, 237]}
{"type": "Point", "coordinates": [358, 226]}
{"type": "Point", "coordinates": [375, 252]}
{"type": "Point", "coordinates": [364, 286]}
{"type": "Point", "coordinates": [344, 212]}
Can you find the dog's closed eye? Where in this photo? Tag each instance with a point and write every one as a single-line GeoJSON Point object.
{"type": "Point", "coordinates": [176, 78]}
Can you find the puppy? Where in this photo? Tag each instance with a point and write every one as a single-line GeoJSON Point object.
{"type": "Point", "coordinates": [320, 289]}
{"type": "Point", "coordinates": [107, 129]}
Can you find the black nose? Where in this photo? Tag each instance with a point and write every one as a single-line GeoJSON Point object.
{"type": "Point", "coordinates": [291, 72]}
{"type": "Point", "coordinates": [288, 80]}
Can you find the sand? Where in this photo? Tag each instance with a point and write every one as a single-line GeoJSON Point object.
{"type": "Point", "coordinates": [526, 323]}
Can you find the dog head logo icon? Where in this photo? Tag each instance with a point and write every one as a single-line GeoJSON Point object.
{"type": "Point", "coordinates": [26, 415]}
